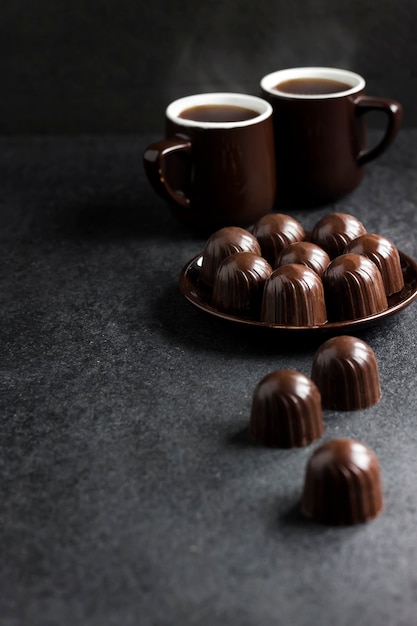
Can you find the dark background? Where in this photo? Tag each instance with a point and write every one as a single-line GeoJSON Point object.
{"type": "Point", "coordinates": [79, 66]}
{"type": "Point", "coordinates": [130, 493]}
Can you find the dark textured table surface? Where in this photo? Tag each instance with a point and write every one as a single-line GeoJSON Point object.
{"type": "Point", "coordinates": [130, 493]}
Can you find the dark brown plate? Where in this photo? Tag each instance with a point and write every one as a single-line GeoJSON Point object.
{"type": "Point", "coordinates": [199, 295]}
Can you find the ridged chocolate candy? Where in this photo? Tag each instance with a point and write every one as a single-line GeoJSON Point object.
{"type": "Point", "coordinates": [286, 410]}
{"type": "Point", "coordinates": [342, 484]}
{"type": "Point", "coordinates": [385, 255]}
{"type": "Point", "coordinates": [239, 282]}
{"type": "Point", "coordinates": [222, 244]}
{"type": "Point", "coordinates": [333, 232]}
{"type": "Point", "coordinates": [275, 232]}
{"type": "Point", "coordinates": [306, 253]}
{"type": "Point", "coordinates": [345, 370]}
{"type": "Point", "coordinates": [353, 288]}
{"type": "Point", "coordinates": [294, 296]}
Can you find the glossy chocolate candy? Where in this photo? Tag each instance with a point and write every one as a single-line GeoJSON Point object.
{"type": "Point", "coordinates": [345, 370]}
{"type": "Point", "coordinates": [294, 296]}
{"type": "Point", "coordinates": [353, 288]}
{"type": "Point", "coordinates": [342, 484]}
{"type": "Point", "coordinates": [334, 231]}
{"type": "Point", "coordinates": [385, 255]}
{"type": "Point", "coordinates": [286, 410]}
{"type": "Point", "coordinates": [306, 253]}
{"type": "Point", "coordinates": [275, 232]}
{"type": "Point", "coordinates": [222, 244]}
{"type": "Point", "coordinates": [239, 282]}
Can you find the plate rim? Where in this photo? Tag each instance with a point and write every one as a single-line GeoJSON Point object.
{"type": "Point", "coordinates": [189, 292]}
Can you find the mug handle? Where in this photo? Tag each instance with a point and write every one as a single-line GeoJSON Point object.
{"type": "Point", "coordinates": [153, 161]}
{"type": "Point", "coordinates": [393, 110]}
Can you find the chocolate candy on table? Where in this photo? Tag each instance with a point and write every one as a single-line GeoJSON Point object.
{"type": "Point", "coordinates": [345, 370]}
{"type": "Point", "coordinates": [334, 231]}
{"type": "Point", "coordinates": [342, 484]}
{"type": "Point", "coordinates": [305, 253]}
{"type": "Point", "coordinates": [286, 410]}
{"type": "Point", "coordinates": [239, 282]}
{"type": "Point", "coordinates": [275, 232]}
{"type": "Point", "coordinates": [385, 255]}
{"type": "Point", "coordinates": [222, 244]}
{"type": "Point", "coordinates": [353, 288]}
{"type": "Point", "coordinates": [294, 296]}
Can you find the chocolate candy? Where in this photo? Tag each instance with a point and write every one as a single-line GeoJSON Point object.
{"type": "Point", "coordinates": [294, 296]}
{"type": "Point", "coordinates": [306, 253]}
{"type": "Point", "coordinates": [286, 410]}
{"type": "Point", "coordinates": [334, 231]}
{"type": "Point", "coordinates": [356, 282]}
{"type": "Point", "coordinates": [353, 288]}
{"type": "Point", "coordinates": [275, 232]}
{"type": "Point", "coordinates": [385, 255]}
{"type": "Point", "coordinates": [223, 243]}
{"type": "Point", "coordinates": [342, 484]}
{"type": "Point", "coordinates": [239, 283]}
{"type": "Point", "coordinates": [345, 370]}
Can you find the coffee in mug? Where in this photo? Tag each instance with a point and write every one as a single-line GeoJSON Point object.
{"type": "Point", "coordinates": [320, 132]}
{"type": "Point", "coordinates": [218, 113]}
{"type": "Point", "coordinates": [311, 86]}
{"type": "Point", "coordinates": [216, 165]}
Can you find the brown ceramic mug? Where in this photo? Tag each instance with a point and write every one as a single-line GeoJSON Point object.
{"type": "Point", "coordinates": [216, 166]}
{"type": "Point", "coordinates": [320, 132]}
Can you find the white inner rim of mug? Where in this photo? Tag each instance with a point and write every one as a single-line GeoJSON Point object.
{"type": "Point", "coordinates": [355, 81]}
{"type": "Point", "coordinates": [260, 106]}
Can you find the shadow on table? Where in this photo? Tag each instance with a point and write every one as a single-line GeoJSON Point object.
{"type": "Point", "coordinates": [197, 330]}
{"type": "Point", "coordinates": [119, 214]}
{"type": "Point", "coordinates": [113, 218]}
{"type": "Point", "coordinates": [242, 438]}
{"type": "Point", "coordinates": [293, 516]}
{"type": "Point", "coordinates": [294, 522]}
